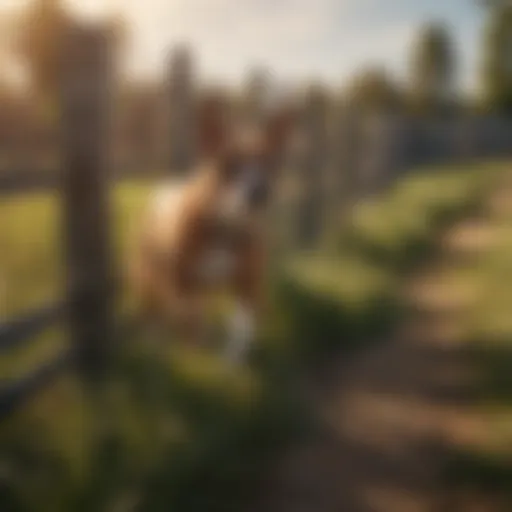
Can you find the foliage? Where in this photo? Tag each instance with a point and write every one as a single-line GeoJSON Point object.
{"type": "Point", "coordinates": [373, 90]}
{"type": "Point", "coordinates": [41, 31]}
{"type": "Point", "coordinates": [497, 70]}
{"type": "Point", "coordinates": [350, 296]}
{"type": "Point", "coordinates": [174, 429]}
{"type": "Point", "coordinates": [432, 69]}
{"type": "Point", "coordinates": [336, 303]}
{"type": "Point", "coordinates": [397, 230]}
{"type": "Point", "coordinates": [481, 465]}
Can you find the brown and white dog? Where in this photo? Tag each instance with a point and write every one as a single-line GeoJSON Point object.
{"type": "Point", "coordinates": [208, 232]}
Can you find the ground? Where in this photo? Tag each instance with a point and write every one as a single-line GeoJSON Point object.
{"type": "Point", "coordinates": [392, 416]}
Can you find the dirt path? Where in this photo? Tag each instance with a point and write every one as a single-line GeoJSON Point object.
{"type": "Point", "coordinates": [391, 416]}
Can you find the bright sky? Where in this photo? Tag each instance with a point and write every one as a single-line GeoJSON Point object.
{"type": "Point", "coordinates": [327, 39]}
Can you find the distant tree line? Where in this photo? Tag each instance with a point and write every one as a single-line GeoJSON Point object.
{"type": "Point", "coordinates": [432, 86]}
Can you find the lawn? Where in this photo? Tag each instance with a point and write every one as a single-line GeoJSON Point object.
{"type": "Point", "coordinates": [484, 463]}
{"type": "Point", "coordinates": [31, 245]}
{"type": "Point", "coordinates": [184, 430]}
{"type": "Point", "coordinates": [31, 260]}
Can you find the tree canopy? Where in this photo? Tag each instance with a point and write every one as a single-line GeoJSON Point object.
{"type": "Point", "coordinates": [432, 68]}
{"type": "Point", "coordinates": [497, 68]}
{"type": "Point", "coordinates": [373, 90]}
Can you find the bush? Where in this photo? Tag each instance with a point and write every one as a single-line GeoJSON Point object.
{"type": "Point", "coordinates": [182, 431]}
{"type": "Point", "coordinates": [398, 230]}
{"type": "Point", "coordinates": [340, 300]}
{"type": "Point", "coordinates": [336, 303]}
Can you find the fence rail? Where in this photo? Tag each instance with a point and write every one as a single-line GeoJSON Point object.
{"type": "Point", "coordinates": [14, 395]}
{"type": "Point", "coordinates": [346, 156]}
{"type": "Point", "coordinates": [85, 83]}
{"type": "Point", "coordinates": [18, 333]}
{"type": "Point", "coordinates": [21, 330]}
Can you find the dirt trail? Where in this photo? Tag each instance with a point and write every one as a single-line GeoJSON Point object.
{"type": "Point", "coordinates": [390, 416]}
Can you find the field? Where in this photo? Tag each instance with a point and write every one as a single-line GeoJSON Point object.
{"type": "Point", "coordinates": [31, 258]}
{"type": "Point", "coordinates": [175, 419]}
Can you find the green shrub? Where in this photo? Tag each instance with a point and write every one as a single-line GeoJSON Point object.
{"type": "Point", "coordinates": [335, 303]}
{"type": "Point", "coordinates": [183, 431]}
{"type": "Point", "coordinates": [397, 230]}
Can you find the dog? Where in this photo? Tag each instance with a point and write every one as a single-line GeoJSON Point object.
{"type": "Point", "coordinates": [208, 233]}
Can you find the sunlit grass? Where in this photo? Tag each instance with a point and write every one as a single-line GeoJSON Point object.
{"type": "Point", "coordinates": [173, 414]}
{"type": "Point", "coordinates": [397, 229]}
{"type": "Point", "coordinates": [484, 463]}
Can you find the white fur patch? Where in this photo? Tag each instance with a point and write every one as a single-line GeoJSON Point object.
{"type": "Point", "coordinates": [163, 212]}
{"type": "Point", "coordinates": [166, 200]}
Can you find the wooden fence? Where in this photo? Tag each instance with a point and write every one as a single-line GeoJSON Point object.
{"type": "Point", "coordinates": [347, 156]}
{"type": "Point", "coordinates": [86, 82]}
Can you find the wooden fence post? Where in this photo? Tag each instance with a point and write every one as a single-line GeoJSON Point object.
{"type": "Point", "coordinates": [85, 88]}
{"type": "Point", "coordinates": [182, 105]}
{"type": "Point", "coordinates": [384, 150]}
{"type": "Point", "coordinates": [255, 95]}
{"type": "Point", "coordinates": [348, 147]}
{"type": "Point", "coordinates": [310, 214]}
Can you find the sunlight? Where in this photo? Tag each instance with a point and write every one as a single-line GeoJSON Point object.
{"type": "Point", "coordinates": [93, 10]}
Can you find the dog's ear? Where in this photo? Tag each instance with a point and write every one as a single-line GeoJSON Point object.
{"type": "Point", "coordinates": [212, 124]}
{"type": "Point", "coordinates": [278, 130]}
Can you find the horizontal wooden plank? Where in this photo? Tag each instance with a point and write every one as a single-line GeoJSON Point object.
{"type": "Point", "coordinates": [14, 395]}
{"type": "Point", "coordinates": [21, 330]}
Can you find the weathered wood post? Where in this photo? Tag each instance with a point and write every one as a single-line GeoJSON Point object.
{"type": "Point", "coordinates": [182, 106]}
{"type": "Point", "coordinates": [310, 214]}
{"type": "Point", "coordinates": [86, 83]}
{"type": "Point", "coordinates": [346, 153]}
{"type": "Point", "coordinates": [384, 156]}
{"type": "Point", "coordinates": [212, 112]}
{"type": "Point", "coordinates": [372, 153]}
{"type": "Point", "coordinates": [254, 95]}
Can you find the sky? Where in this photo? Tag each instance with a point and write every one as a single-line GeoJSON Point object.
{"type": "Point", "coordinates": [297, 39]}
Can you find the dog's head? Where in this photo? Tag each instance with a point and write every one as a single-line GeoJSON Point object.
{"type": "Point", "coordinates": [244, 158]}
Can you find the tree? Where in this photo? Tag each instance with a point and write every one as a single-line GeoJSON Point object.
{"type": "Point", "coordinates": [41, 30]}
{"type": "Point", "coordinates": [497, 69]}
{"type": "Point", "coordinates": [373, 90]}
{"type": "Point", "coordinates": [494, 3]}
{"type": "Point", "coordinates": [432, 69]}
{"type": "Point", "coordinates": [137, 117]}
{"type": "Point", "coordinates": [255, 93]}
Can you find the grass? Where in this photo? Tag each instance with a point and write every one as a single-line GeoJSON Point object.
{"type": "Point", "coordinates": [398, 230]}
{"type": "Point", "coordinates": [181, 430]}
{"type": "Point", "coordinates": [31, 257]}
{"type": "Point", "coordinates": [487, 465]}
{"type": "Point", "coordinates": [71, 449]}
{"type": "Point", "coordinates": [31, 261]}
{"type": "Point", "coordinates": [351, 293]}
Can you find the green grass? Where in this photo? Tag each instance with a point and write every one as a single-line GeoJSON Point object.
{"type": "Point", "coordinates": [348, 295]}
{"type": "Point", "coordinates": [31, 255]}
{"type": "Point", "coordinates": [397, 230]}
{"type": "Point", "coordinates": [490, 331]}
{"type": "Point", "coordinates": [336, 303]}
{"type": "Point", "coordinates": [31, 261]}
{"type": "Point", "coordinates": [172, 416]}
{"type": "Point", "coordinates": [180, 430]}
{"type": "Point", "coordinates": [482, 466]}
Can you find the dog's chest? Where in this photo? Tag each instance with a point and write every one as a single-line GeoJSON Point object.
{"type": "Point", "coordinates": [221, 252]}
{"type": "Point", "coordinates": [215, 264]}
